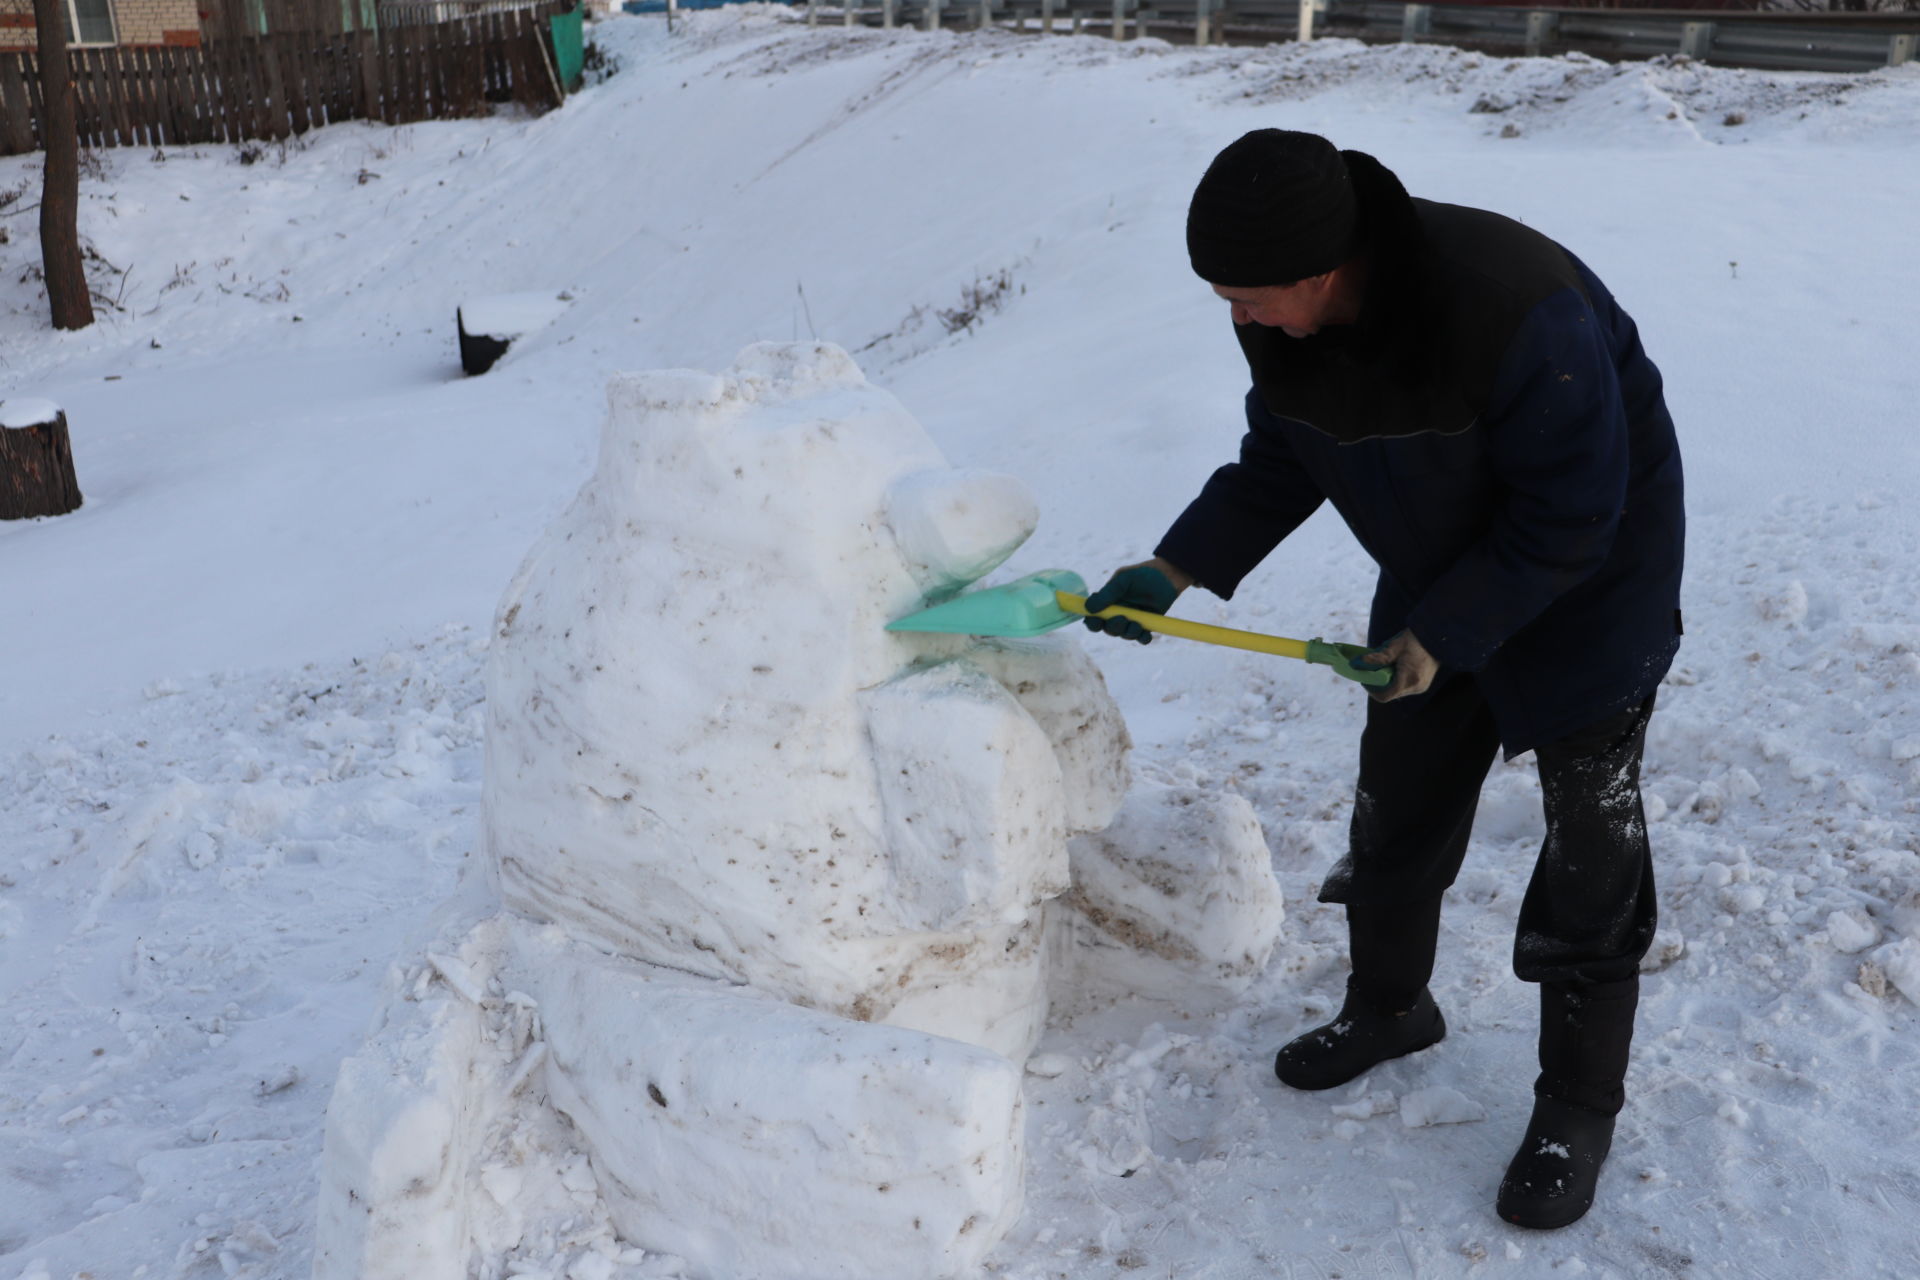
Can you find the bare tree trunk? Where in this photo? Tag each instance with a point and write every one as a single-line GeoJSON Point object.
{"type": "Point", "coordinates": [60, 197]}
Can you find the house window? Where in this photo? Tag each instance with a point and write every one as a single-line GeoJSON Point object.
{"type": "Point", "coordinates": [89, 21]}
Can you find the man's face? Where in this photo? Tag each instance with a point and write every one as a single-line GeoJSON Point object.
{"type": "Point", "coordinates": [1298, 309]}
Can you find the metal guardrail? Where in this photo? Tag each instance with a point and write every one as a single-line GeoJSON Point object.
{"type": "Point", "coordinates": [1740, 40]}
{"type": "Point", "coordinates": [1625, 34]}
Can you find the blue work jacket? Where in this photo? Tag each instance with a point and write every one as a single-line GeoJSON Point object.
{"type": "Point", "coordinates": [1527, 522]}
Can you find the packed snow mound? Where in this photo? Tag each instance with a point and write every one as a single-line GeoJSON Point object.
{"type": "Point", "coordinates": [706, 751]}
{"type": "Point", "coordinates": [1177, 894]}
{"type": "Point", "coordinates": [709, 1106]}
{"type": "Point", "coordinates": [397, 1198]}
{"type": "Point", "coordinates": [696, 1127]}
{"type": "Point", "coordinates": [440, 1162]}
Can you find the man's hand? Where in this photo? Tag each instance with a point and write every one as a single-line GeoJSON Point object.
{"type": "Point", "coordinates": [1413, 667]}
{"type": "Point", "coordinates": [1151, 587]}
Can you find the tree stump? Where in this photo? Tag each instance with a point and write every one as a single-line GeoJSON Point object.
{"type": "Point", "coordinates": [36, 461]}
{"type": "Point", "coordinates": [478, 351]}
{"type": "Point", "coordinates": [488, 326]}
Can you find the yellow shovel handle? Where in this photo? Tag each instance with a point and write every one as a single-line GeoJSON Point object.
{"type": "Point", "coordinates": [1200, 631]}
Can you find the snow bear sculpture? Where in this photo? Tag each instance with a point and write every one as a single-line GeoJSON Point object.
{"type": "Point", "coordinates": [777, 878]}
{"type": "Point", "coordinates": [771, 892]}
{"type": "Point", "coordinates": [705, 751]}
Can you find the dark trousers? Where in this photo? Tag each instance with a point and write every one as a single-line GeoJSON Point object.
{"type": "Point", "coordinates": [1588, 914]}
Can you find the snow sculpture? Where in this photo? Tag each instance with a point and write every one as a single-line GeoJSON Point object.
{"type": "Point", "coordinates": [705, 751]}
{"type": "Point", "coordinates": [769, 899]}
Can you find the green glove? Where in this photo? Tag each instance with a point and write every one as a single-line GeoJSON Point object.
{"type": "Point", "coordinates": [1141, 587]}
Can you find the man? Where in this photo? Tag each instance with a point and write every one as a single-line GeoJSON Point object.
{"type": "Point", "coordinates": [1476, 406]}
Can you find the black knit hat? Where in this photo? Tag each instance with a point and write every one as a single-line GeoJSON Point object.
{"type": "Point", "coordinates": [1273, 208]}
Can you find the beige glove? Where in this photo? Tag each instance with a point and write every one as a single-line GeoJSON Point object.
{"type": "Point", "coordinates": [1413, 667]}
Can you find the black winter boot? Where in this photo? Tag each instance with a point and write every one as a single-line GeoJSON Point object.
{"type": "Point", "coordinates": [1586, 1031]}
{"type": "Point", "coordinates": [1388, 1011]}
{"type": "Point", "coordinates": [1551, 1179]}
{"type": "Point", "coordinates": [1360, 1037]}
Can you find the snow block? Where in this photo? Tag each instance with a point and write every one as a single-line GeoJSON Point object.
{"type": "Point", "coordinates": [1179, 890]}
{"type": "Point", "coordinates": [705, 751]}
{"type": "Point", "coordinates": [1850, 932]}
{"type": "Point", "coordinates": [972, 818]}
{"type": "Point", "coordinates": [1437, 1104]}
{"type": "Point", "coordinates": [400, 1145]}
{"type": "Point", "coordinates": [1900, 961]}
{"type": "Point", "coordinates": [749, 1136]}
{"type": "Point", "coordinates": [956, 527]}
{"type": "Point", "coordinates": [971, 798]}
{"type": "Point", "coordinates": [1059, 686]}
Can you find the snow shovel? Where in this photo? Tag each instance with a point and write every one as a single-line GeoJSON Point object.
{"type": "Point", "coordinates": [1046, 601]}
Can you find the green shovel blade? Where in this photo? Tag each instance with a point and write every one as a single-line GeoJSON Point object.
{"type": "Point", "coordinates": [1024, 607]}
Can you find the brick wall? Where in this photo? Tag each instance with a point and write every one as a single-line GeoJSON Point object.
{"type": "Point", "coordinates": [157, 21]}
{"type": "Point", "coordinates": [16, 24]}
{"type": "Point", "coordinates": [139, 22]}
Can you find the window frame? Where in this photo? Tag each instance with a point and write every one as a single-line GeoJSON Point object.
{"type": "Point", "coordinates": [71, 9]}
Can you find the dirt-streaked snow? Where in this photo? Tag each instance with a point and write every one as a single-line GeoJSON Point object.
{"type": "Point", "coordinates": [240, 733]}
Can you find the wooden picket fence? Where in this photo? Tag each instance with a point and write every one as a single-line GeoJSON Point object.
{"type": "Point", "coordinates": [240, 87]}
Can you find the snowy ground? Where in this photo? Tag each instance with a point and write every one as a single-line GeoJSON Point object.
{"type": "Point", "coordinates": [239, 738]}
